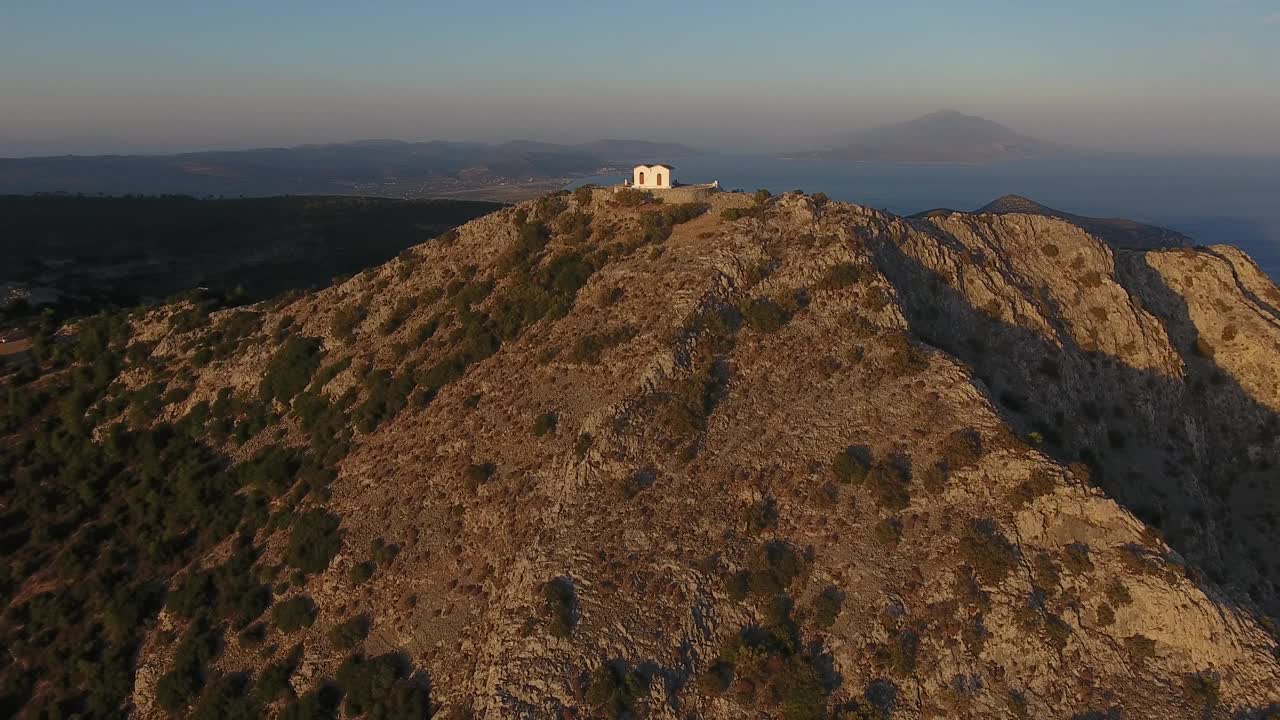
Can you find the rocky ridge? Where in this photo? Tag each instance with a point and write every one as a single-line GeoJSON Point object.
{"type": "Point", "coordinates": [785, 458]}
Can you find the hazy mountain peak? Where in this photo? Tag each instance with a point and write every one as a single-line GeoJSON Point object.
{"type": "Point", "coordinates": [947, 112]}
{"type": "Point", "coordinates": [1014, 203]}
{"type": "Point", "coordinates": [944, 136]}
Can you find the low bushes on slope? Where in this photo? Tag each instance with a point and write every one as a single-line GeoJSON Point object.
{"type": "Point", "coordinates": [313, 541]}
{"type": "Point", "coordinates": [290, 369]}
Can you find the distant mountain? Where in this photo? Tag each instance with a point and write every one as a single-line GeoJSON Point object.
{"type": "Point", "coordinates": [636, 150]}
{"type": "Point", "coordinates": [371, 167]}
{"type": "Point", "coordinates": [945, 136]}
{"type": "Point", "coordinates": [1117, 232]}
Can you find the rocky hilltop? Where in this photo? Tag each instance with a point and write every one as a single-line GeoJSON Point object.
{"type": "Point", "coordinates": [1120, 233]}
{"type": "Point", "coordinates": [596, 456]}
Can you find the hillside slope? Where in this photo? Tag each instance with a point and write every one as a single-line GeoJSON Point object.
{"type": "Point", "coordinates": [795, 459]}
{"type": "Point", "coordinates": [103, 250]}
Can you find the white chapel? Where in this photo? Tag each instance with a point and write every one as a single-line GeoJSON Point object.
{"type": "Point", "coordinates": [652, 177]}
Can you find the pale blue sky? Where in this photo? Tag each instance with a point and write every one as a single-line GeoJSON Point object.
{"type": "Point", "coordinates": [153, 75]}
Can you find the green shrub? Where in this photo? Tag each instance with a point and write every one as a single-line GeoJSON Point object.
{"type": "Point", "coordinates": [290, 369]}
{"type": "Point", "coordinates": [313, 542]}
{"type": "Point", "coordinates": [961, 449]}
{"type": "Point", "coordinates": [478, 474]}
{"type": "Point", "coordinates": [974, 634]}
{"type": "Point", "coordinates": [426, 330]}
{"type": "Point", "coordinates": [717, 678]}
{"type": "Point", "coordinates": [329, 372]}
{"type": "Point", "coordinates": [560, 606]}
{"type": "Point", "coordinates": [404, 307]}
{"type": "Point", "coordinates": [774, 667]}
{"type": "Point", "coordinates": [827, 607]}
{"type": "Point", "coordinates": [226, 696]}
{"type": "Point", "coordinates": [891, 485]}
{"type": "Point", "coordinates": [273, 681]}
{"type": "Point", "coordinates": [935, 477]}
{"type": "Point", "coordinates": [351, 633]}
{"type": "Point", "coordinates": [630, 197]}
{"type": "Point", "coordinates": [733, 213]}
{"type": "Point", "coordinates": [1058, 632]}
{"type": "Point", "coordinates": [616, 690]}
{"type": "Point", "coordinates": [841, 275]}
{"type": "Point", "coordinates": [852, 464]}
{"type": "Point", "coordinates": [1047, 576]}
{"type": "Point", "coordinates": [254, 635]}
{"type": "Point", "coordinates": [655, 227]}
{"type": "Point", "coordinates": [1018, 704]}
{"type": "Point", "coordinates": [463, 295]}
{"type": "Point", "coordinates": [902, 653]}
{"type": "Point", "coordinates": [774, 568]}
{"type": "Point", "coordinates": [1204, 689]}
{"type": "Point", "coordinates": [590, 347]}
{"type": "Point", "coordinates": [1117, 593]}
{"type": "Point", "coordinates": [361, 572]}
{"type": "Point", "coordinates": [548, 207]}
{"type": "Point", "coordinates": [531, 239]}
{"type": "Point", "coordinates": [294, 614]}
{"type": "Point", "coordinates": [385, 396]}
{"type": "Point", "coordinates": [176, 688]}
{"type": "Point", "coordinates": [563, 275]}
{"type": "Point", "coordinates": [1038, 484]}
{"type": "Point", "coordinates": [346, 320]}
{"type": "Point", "coordinates": [765, 316]}
{"type": "Point", "coordinates": [383, 552]}
{"type": "Point", "coordinates": [575, 227]}
{"type": "Point", "coordinates": [889, 532]}
{"type": "Point", "coordinates": [684, 212]}
{"type": "Point", "coordinates": [762, 515]}
{"type": "Point", "coordinates": [987, 551]}
{"type": "Point", "coordinates": [378, 688]}
{"type": "Point", "coordinates": [1077, 558]}
{"type": "Point", "coordinates": [194, 592]}
{"type": "Point", "coordinates": [545, 423]}
{"type": "Point", "coordinates": [904, 358]}
{"type": "Point", "coordinates": [1140, 646]}
{"type": "Point", "coordinates": [690, 403]}
{"type": "Point", "coordinates": [639, 481]}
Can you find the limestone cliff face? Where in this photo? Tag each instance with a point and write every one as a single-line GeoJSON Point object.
{"type": "Point", "coordinates": [820, 456]}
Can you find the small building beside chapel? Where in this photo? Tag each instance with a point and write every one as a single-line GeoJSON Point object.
{"type": "Point", "coordinates": [652, 177]}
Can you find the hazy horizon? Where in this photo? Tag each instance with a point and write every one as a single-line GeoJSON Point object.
{"type": "Point", "coordinates": [1192, 77]}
